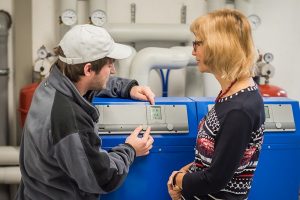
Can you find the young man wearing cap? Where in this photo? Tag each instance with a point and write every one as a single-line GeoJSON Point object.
{"type": "Point", "coordinates": [59, 155]}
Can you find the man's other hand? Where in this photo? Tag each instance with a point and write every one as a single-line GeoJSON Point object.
{"type": "Point", "coordinates": [142, 93]}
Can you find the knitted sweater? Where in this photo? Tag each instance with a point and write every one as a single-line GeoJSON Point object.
{"type": "Point", "coordinates": [227, 148]}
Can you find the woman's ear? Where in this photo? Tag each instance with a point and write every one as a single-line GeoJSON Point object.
{"type": "Point", "coordinates": [87, 69]}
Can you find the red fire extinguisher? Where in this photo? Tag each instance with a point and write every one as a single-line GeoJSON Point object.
{"type": "Point", "coordinates": [25, 98]}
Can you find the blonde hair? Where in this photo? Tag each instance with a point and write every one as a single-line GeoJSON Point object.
{"type": "Point", "coordinates": [229, 50]}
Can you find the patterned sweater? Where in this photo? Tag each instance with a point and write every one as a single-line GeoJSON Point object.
{"type": "Point", "coordinates": [227, 148]}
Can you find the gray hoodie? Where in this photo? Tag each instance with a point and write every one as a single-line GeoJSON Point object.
{"type": "Point", "coordinates": [61, 155]}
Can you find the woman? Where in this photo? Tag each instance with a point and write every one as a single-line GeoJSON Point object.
{"type": "Point", "coordinates": [230, 136]}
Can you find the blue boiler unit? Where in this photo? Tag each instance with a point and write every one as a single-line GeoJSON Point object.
{"type": "Point", "coordinates": [173, 122]}
{"type": "Point", "coordinates": [277, 174]}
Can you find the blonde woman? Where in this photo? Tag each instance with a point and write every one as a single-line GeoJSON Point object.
{"type": "Point", "coordinates": [230, 136]}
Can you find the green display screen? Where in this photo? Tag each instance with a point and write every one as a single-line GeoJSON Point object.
{"type": "Point", "coordinates": [155, 113]}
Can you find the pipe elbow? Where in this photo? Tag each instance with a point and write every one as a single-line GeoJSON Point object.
{"type": "Point", "coordinates": [156, 58]}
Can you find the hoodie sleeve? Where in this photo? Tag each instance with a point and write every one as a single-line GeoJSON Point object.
{"type": "Point", "coordinates": [78, 153]}
{"type": "Point", "coordinates": [115, 87]}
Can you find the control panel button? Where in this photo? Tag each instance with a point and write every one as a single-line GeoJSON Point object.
{"type": "Point", "coordinates": [144, 127]}
{"type": "Point", "coordinates": [278, 125]}
{"type": "Point", "coordinates": [170, 127]}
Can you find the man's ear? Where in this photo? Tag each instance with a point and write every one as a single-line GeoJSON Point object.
{"type": "Point", "coordinates": [87, 69]}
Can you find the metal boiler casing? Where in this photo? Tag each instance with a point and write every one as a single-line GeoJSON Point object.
{"type": "Point", "coordinates": [278, 171]}
{"type": "Point", "coordinates": [173, 122]}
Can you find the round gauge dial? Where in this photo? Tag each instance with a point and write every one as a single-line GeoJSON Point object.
{"type": "Point", "coordinates": [268, 57]}
{"type": "Point", "coordinates": [69, 17]}
{"type": "Point", "coordinates": [98, 17]}
{"type": "Point", "coordinates": [255, 21]}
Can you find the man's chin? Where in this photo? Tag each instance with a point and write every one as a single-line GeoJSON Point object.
{"type": "Point", "coordinates": [103, 87]}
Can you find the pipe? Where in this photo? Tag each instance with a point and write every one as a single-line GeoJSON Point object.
{"type": "Point", "coordinates": [66, 5]}
{"type": "Point", "coordinates": [10, 175]}
{"type": "Point", "coordinates": [97, 4]}
{"type": "Point", "coordinates": [245, 6]}
{"type": "Point", "coordinates": [215, 5]}
{"type": "Point", "coordinates": [82, 12]}
{"type": "Point", "coordinates": [156, 58]}
{"type": "Point", "coordinates": [188, 51]}
{"type": "Point", "coordinates": [193, 78]}
{"type": "Point", "coordinates": [123, 65]}
{"type": "Point", "coordinates": [149, 32]}
{"type": "Point", "coordinates": [5, 23]}
{"type": "Point", "coordinates": [9, 155]}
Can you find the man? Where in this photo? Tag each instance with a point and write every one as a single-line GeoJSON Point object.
{"type": "Point", "coordinates": [59, 154]}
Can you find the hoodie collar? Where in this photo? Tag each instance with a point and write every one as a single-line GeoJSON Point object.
{"type": "Point", "coordinates": [63, 84]}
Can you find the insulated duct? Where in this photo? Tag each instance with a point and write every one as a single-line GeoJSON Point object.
{"type": "Point", "coordinates": [194, 85]}
{"type": "Point", "coordinates": [10, 175]}
{"type": "Point", "coordinates": [123, 65]}
{"type": "Point", "coordinates": [5, 23]}
{"type": "Point", "coordinates": [9, 155]}
{"type": "Point", "coordinates": [149, 32]}
{"type": "Point", "coordinates": [156, 58]}
{"type": "Point", "coordinates": [67, 6]}
{"type": "Point", "coordinates": [215, 5]}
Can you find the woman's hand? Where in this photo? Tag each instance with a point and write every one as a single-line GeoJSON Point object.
{"type": "Point", "coordinates": [175, 193]}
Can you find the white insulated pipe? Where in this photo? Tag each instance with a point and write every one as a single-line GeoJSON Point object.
{"type": "Point", "coordinates": [9, 155]}
{"type": "Point", "coordinates": [149, 32]}
{"type": "Point", "coordinates": [82, 12]}
{"type": "Point", "coordinates": [156, 58]}
{"type": "Point", "coordinates": [245, 6]}
{"type": "Point", "coordinates": [123, 65]}
{"type": "Point", "coordinates": [5, 23]}
{"type": "Point", "coordinates": [193, 78]}
{"type": "Point", "coordinates": [215, 5]}
{"type": "Point", "coordinates": [188, 51]}
{"type": "Point", "coordinates": [10, 175]}
{"type": "Point", "coordinates": [66, 5]}
{"type": "Point", "coordinates": [97, 5]}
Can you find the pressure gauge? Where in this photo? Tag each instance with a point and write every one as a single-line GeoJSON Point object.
{"type": "Point", "coordinates": [255, 21]}
{"type": "Point", "coordinates": [69, 17]}
{"type": "Point", "coordinates": [268, 57]}
{"type": "Point", "coordinates": [98, 17]}
{"type": "Point", "coordinates": [42, 52]}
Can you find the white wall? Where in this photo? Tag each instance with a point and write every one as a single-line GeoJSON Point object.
{"type": "Point", "coordinates": [279, 34]}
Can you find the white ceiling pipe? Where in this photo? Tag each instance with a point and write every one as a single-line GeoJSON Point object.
{"type": "Point", "coordinates": [188, 50]}
{"type": "Point", "coordinates": [156, 58]}
{"type": "Point", "coordinates": [66, 5]}
{"type": "Point", "coordinates": [10, 175]}
{"type": "Point", "coordinates": [245, 6]}
{"type": "Point", "coordinates": [97, 4]}
{"type": "Point", "coordinates": [82, 12]}
{"type": "Point", "coordinates": [149, 32]}
{"type": "Point", "coordinates": [123, 65]}
{"type": "Point", "coordinates": [9, 155]}
{"type": "Point", "coordinates": [215, 5]}
{"type": "Point", "coordinates": [193, 78]}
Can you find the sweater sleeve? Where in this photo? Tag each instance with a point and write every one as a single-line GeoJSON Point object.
{"type": "Point", "coordinates": [115, 87]}
{"type": "Point", "coordinates": [234, 137]}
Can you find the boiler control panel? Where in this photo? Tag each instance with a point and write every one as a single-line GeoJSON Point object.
{"type": "Point", "coordinates": [123, 119]}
